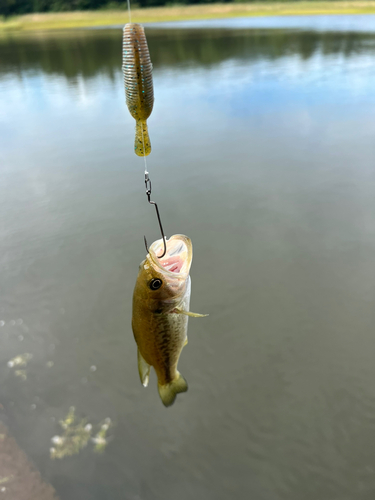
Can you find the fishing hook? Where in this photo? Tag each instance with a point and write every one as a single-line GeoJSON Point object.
{"type": "Point", "coordinates": [148, 193]}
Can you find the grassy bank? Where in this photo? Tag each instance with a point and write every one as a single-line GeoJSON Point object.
{"type": "Point", "coordinates": [82, 19]}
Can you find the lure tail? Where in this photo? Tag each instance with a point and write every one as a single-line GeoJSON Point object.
{"type": "Point", "coordinates": [142, 143]}
{"type": "Point", "coordinates": [168, 392]}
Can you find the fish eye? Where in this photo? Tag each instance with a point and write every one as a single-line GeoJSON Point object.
{"type": "Point", "coordinates": [155, 284]}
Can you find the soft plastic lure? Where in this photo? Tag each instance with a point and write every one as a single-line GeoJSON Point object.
{"type": "Point", "coordinates": [139, 89]}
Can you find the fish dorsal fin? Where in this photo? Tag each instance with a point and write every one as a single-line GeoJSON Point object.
{"type": "Point", "coordinates": [143, 369]}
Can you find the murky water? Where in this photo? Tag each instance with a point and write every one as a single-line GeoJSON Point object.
{"type": "Point", "coordinates": [264, 154]}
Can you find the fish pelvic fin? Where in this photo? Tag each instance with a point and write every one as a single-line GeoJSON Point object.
{"type": "Point", "coordinates": [168, 392]}
{"type": "Point", "coordinates": [177, 310]}
{"type": "Point", "coordinates": [143, 369]}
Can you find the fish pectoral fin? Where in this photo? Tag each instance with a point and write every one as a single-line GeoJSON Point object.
{"type": "Point", "coordinates": [177, 310]}
{"type": "Point", "coordinates": [143, 369]}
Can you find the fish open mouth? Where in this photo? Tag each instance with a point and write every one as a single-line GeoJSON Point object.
{"type": "Point", "coordinates": [178, 257]}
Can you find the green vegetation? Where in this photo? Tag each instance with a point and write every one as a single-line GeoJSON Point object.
{"type": "Point", "coordinates": [106, 17]}
{"type": "Point", "coordinates": [90, 53]}
{"type": "Point", "coordinates": [12, 7]}
{"type": "Point", "coordinates": [76, 435]}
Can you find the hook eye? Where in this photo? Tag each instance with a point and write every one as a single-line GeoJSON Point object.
{"type": "Point", "coordinates": [155, 284]}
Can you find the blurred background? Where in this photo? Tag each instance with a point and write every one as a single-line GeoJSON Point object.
{"type": "Point", "coordinates": [263, 154]}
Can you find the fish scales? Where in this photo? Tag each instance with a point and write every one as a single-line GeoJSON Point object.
{"type": "Point", "coordinates": [163, 336]}
{"type": "Point", "coordinates": [139, 89]}
{"type": "Point", "coordinates": [161, 303]}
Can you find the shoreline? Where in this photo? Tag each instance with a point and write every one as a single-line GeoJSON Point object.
{"type": "Point", "coordinates": [102, 18]}
{"type": "Point", "coordinates": [18, 475]}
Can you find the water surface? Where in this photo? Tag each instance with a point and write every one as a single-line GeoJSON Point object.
{"type": "Point", "coordinates": [263, 153]}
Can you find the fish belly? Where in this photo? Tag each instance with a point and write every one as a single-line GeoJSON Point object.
{"type": "Point", "coordinates": [170, 338]}
{"type": "Point", "coordinates": [161, 337]}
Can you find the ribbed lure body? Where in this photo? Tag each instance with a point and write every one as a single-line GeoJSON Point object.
{"type": "Point", "coordinates": [139, 90]}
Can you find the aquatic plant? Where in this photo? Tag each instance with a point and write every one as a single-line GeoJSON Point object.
{"type": "Point", "coordinates": [100, 440]}
{"type": "Point", "coordinates": [76, 435]}
{"type": "Point", "coordinates": [20, 360]}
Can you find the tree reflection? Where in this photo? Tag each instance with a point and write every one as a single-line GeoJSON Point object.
{"type": "Point", "coordinates": [92, 52]}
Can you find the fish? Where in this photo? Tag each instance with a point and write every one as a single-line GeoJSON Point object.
{"type": "Point", "coordinates": [161, 302]}
{"type": "Point", "coordinates": [139, 87]}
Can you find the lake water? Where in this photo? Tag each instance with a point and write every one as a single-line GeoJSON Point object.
{"type": "Point", "coordinates": [264, 154]}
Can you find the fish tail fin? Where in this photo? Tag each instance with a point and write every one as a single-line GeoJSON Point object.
{"type": "Point", "coordinates": [143, 369]}
{"type": "Point", "coordinates": [168, 392]}
{"type": "Point", "coordinates": [142, 143]}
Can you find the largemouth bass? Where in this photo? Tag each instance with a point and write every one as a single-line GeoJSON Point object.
{"type": "Point", "coordinates": [160, 314]}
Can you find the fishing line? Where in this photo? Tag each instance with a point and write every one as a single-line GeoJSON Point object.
{"type": "Point", "coordinates": [139, 92]}
{"type": "Point", "coordinates": [130, 16]}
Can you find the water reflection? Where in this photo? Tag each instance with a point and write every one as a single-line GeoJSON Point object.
{"type": "Point", "coordinates": [90, 53]}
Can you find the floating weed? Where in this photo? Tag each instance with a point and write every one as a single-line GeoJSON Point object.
{"type": "Point", "coordinates": [76, 436]}
{"type": "Point", "coordinates": [4, 480]}
{"type": "Point", "coordinates": [100, 440]}
{"type": "Point", "coordinates": [69, 420]}
{"type": "Point", "coordinates": [22, 374]}
{"type": "Point", "coordinates": [20, 360]}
